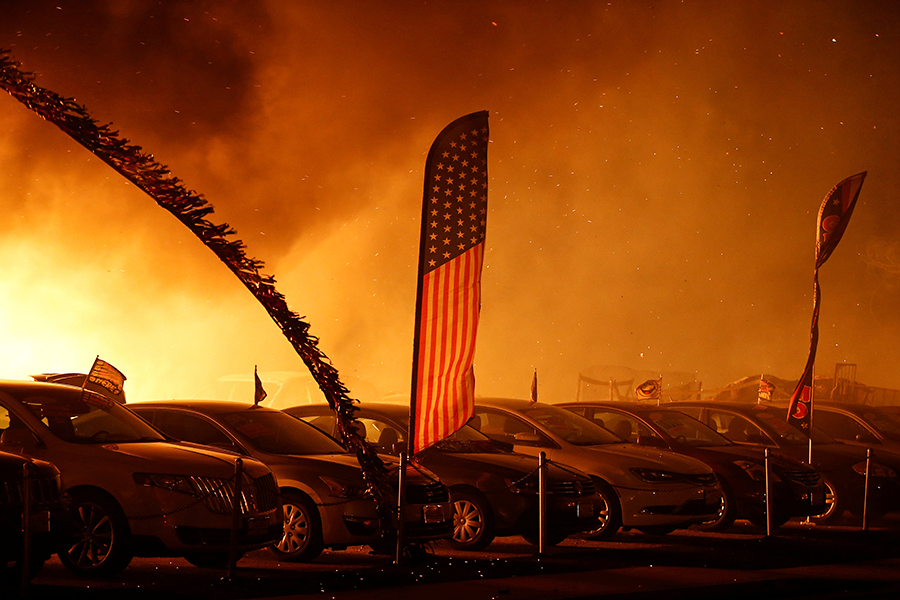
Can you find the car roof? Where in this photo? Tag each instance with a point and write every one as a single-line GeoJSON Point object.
{"type": "Point", "coordinates": [625, 405]}
{"type": "Point", "coordinates": [508, 403]}
{"type": "Point", "coordinates": [385, 408]}
{"type": "Point", "coordinates": [732, 405]}
{"type": "Point", "coordinates": [35, 388]}
{"type": "Point", "coordinates": [209, 407]}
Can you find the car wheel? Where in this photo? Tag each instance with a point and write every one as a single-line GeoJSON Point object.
{"type": "Point", "coordinates": [302, 539]}
{"type": "Point", "coordinates": [473, 521]}
{"type": "Point", "coordinates": [210, 560]}
{"type": "Point", "coordinates": [834, 504]}
{"type": "Point", "coordinates": [726, 515]}
{"type": "Point", "coordinates": [101, 543]}
{"type": "Point", "coordinates": [607, 511]}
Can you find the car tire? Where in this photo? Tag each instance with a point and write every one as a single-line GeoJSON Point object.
{"type": "Point", "coordinates": [101, 544]}
{"type": "Point", "coordinates": [727, 511]}
{"type": "Point", "coordinates": [834, 504]}
{"type": "Point", "coordinates": [473, 521]}
{"type": "Point", "coordinates": [609, 519]}
{"type": "Point", "coordinates": [302, 539]}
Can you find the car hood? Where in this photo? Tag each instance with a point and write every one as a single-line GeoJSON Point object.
{"type": "Point", "coordinates": [344, 466]}
{"type": "Point", "coordinates": [177, 458]}
{"type": "Point", "coordinates": [634, 456]}
{"type": "Point", "coordinates": [465, 467]}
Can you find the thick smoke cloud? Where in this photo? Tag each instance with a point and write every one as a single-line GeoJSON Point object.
{"type": "Point", "coordinates": [655, 173]}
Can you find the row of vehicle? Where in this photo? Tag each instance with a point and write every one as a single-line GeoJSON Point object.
{"type": "Point", "coordinates": [156, 478]}
{"type": "Point", "coordinates": [128, 489]}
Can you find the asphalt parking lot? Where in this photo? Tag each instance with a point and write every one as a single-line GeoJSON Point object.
{"type": "Point", "coordinates": [800, 561]}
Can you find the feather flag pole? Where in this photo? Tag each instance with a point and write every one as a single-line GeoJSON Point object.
{"type": "Point", "coordinates": [834, 214]}
{"type": "Point", "coordinates": [193, 211]}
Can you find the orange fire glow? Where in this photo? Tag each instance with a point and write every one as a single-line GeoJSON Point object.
{"type": "Point", "coordinates": [655, 173]}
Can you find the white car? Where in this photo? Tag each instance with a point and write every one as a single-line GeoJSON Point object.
{"type": "Point", "coordinates": [650, 489]}
{"type": "Point", "coordinates": [132, 492]}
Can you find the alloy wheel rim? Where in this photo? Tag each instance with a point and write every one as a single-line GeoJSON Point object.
{"type": "Point", "coordinates": [296, 529]}
{"type": "Point", "coordinates": [468, 522]}
{"type": "Point", "coordinates": [95, 537]}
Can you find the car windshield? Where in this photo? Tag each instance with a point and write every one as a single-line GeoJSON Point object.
{"type": "Point", "coordinates": [466, 440]}
{"type": "Point", "coordinates": [573, 428]}
{"type": "Point", "coordinates": [687, 430]}
{"type": "Point", "coordinates": [886, 424]}
{"type": "Point", "coordinates": [89, 418]}
{"type": "Point", "coordinates": [276, 432]}
{"type": "Point", "coordinates": [469, 440]}
{"type": "Point", "coordinates": [776, 425]}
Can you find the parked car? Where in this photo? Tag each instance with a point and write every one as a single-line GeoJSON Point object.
{"type": "Point", "coordinates": [650, 489]}
{"type": "Point", "coordinates": [47, 522]}
{"type": "Point", "coordinates": [842, 466]}
{"type": "Point", "coordinates": [493, 490]}
{"type": "Point", "coordinates": [797, 489]}
{"type": "Point", "coordinates": [861, 424]}
{"type": "Point", "coordinates": [131, 491]}
{"type": "Point", "coordinates": [321, 484]}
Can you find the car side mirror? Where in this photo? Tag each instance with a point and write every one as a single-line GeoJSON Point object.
{"type": "Point", "coordinates": [527, 438]}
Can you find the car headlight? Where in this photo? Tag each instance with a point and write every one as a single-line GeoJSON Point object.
{"type": "Point", "coordinates": [341, 488]}
{"type": "Point", "coordinates": [173, 483]}
{"type": "Point", "coordinates": [876, 469]}
{"type": "Point", "coordinates": [755, 470]}
{"type": "Point", "coordinates": [655, 475]}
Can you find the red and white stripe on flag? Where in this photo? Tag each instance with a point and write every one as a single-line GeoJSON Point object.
{"type": "Point", "coordinates": [451, 253]}
{"type": "Point", "coordinates": [446, 389]}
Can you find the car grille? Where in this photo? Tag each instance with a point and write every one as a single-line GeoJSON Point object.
{"type": "Point", "coordinates": [218, 494]}
{"type": "Point", "coordinates": [807, 477]}
{"type": "Point", "coordinates": [44, 490]}
{"type": "Point", "coordinates": [571, 488]}
{"type": "Point", "coordinates": [429, 493]}
{"type": "Point", "coordinates": [266, 493]}
{"type": "Point", "coordinates": [703, 479]}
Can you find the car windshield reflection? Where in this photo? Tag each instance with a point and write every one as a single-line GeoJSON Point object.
{"type": "Point", "coordinates": [469, 440]}
{"type": "Point", "coordinates": [576, 430]}
{"type": "Point", "coordinates": [90, 419]}
{"type": "Point", "coordinates": [279, 433]}
{"type": "Point", "coordinates": [687, 430]}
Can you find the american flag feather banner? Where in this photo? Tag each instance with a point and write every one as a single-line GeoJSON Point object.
{"type": "Point", "coordinates": [448, 299]}
{"type": "Point", "coordinates": [834, 214]}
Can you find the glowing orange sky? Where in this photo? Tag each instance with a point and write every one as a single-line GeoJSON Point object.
{"type": "Point", "coordinates": [655, 173]}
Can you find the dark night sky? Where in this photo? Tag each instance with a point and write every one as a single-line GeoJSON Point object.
{"type": "Point", "coordinates": [655, 174]}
